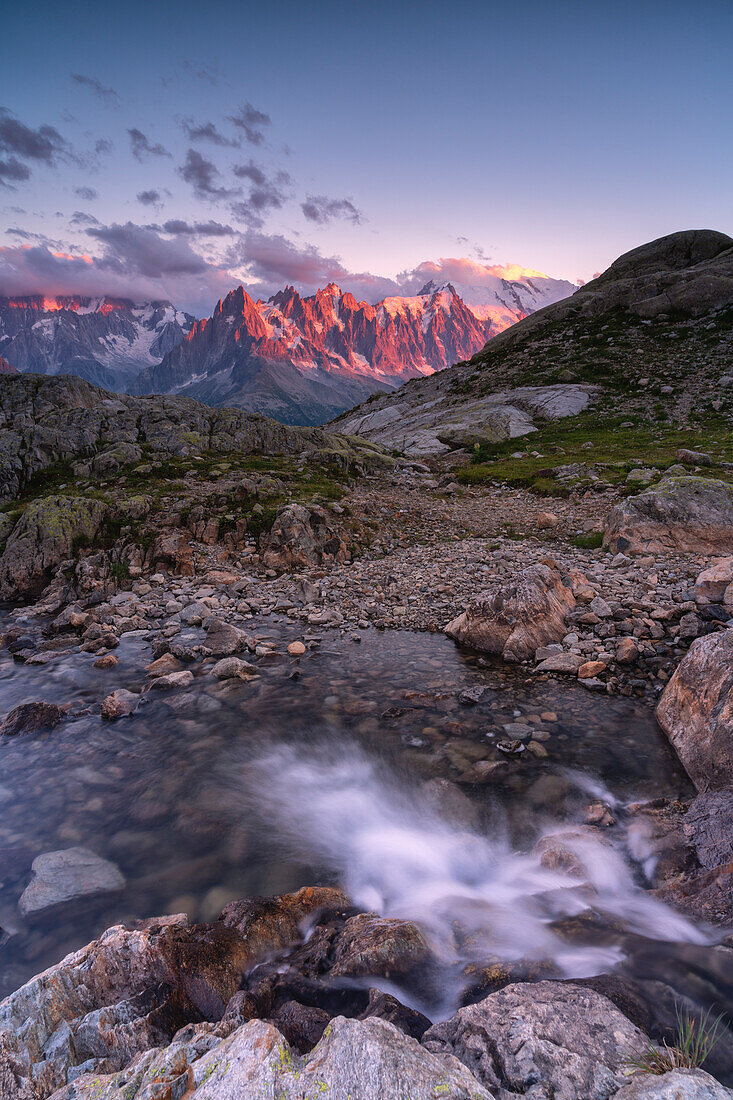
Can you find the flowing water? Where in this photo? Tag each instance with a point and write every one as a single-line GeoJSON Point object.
{"type": "Point", "coordinates": [333, 768]}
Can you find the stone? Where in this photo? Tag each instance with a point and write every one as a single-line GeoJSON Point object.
{"type": "Point", "coordinates": [600, 608]}
{"type": "Point", "coordinates": [680, 1084]}
{"type": "Point", "coordinates": [687, 514]}
{"type": "Point", "coordinates": [267, 925]}
{"type": "Point", "coordinates": [30, 718]}
{"type": "Point", "coordinates": [385, 947]}
{"type": "Point", "coordinates": [693, 458]}
{"type": "Point", "coordinates": [714, 582]}
{"type": "Point", "coordinates": [161, 666]}
{"type": "Point", "coordinates": [302, 536]}
{"type": "Point", "coordinates": [223, 639]}
{"type": "Point", "coordinates": [72, 875]}
{"type": "Point", "coordinates": [627, 651]}
{"type": "Point", "coordinates": [696, 711]}
{"type": "Point", "coordinates": [546, 521]}
{"type": "Point", "coordinates": [173, 680]}
{"type": "Point", "coordinates": [561, 662]}
{"type": "Point", "coordinates": [516, 616]}
{"type": "Point", "coordinates": [230, 668]}
{"type": "Point", "coordinates": [296, 649]}
{"type": "Point", "coordinates": [119, 704]}
{"type": "Point", "coordinates": [108, 661]}
{"type": "Point", "coordinates": [548, 1040]}
{"type": "Point", "coordinates": [591, 668]}
{"type": "Point", "coordinates": [708, 825]}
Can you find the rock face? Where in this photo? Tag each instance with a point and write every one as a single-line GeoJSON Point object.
{"type": "Point", "coordinates": [688, 514]}
{"type": "Point", "coordinates": [548, 1040]}
{"type": "Point", "coordinates": [671, 282]}
{"type": "Point", "coordinates": [46, 533]}
{"type": "Point", "coordinates": [518, 616]}
{"type": "Point", "coordinates": [70, 876]}
{"type": "Point", "coordinates": [302, 536]}
{"type": "Point", "coordinates": [696, 711]}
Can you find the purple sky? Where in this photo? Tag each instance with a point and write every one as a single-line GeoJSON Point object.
{"type": "Point", "coordinates": [173, 150]}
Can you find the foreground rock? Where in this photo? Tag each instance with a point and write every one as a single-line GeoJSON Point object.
{"type": "Point", "coordinates": [550, 1040]}
{"type": "Point", "coordinates": [361, 1060]}
{"type": "Point", "coordinates": [303, 536]}
{"type": "Point", "coordinates": [681, 1084]}
{"type": "Point", "coordinates": [696, 711]}
{"type": "Point", "coordinates": [46, 533]}
{"type": "Point", "coordinates": [689, 514]}
{"type": "Point", "coordinates": [30, 718]}
{"type": "Point", "coordinates": [517, 617]}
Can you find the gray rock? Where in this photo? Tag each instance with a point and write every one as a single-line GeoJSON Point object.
{"type": "Point", "coordinates": [65, 877]}
{"type": "Point", "coordinates": [29, 718]}
{"type": "Point", "coordinates": [693, 458]}
{"type": "Point", "coordinates": [708, 825]}
{"type": "Point", "coordinates": [561, 662]}
{"type": "Point", "coordinates": [45, 535]}
{"type": "Point", "coordinates": [223, 639]}
{"type": "Point", "coordinates": [680, 1084]}
{"type": "Point", "coordinates": [230, 668]}
{"type": "Point", "coordinates": [687, 514]}
{"type": "Point", "coordinates": [547, 1040]}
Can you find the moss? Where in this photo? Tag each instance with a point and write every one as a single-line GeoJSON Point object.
{"type": "Point", "coordinates": [592, 541]}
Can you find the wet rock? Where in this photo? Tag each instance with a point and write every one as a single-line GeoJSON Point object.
{"type": "Point", "coordinates": [627, 651]}
{"type": "Point", "coordinates": [44, 536]}
{"type": "Point", "coordinates": [591, 669]}
{"type": "Point", "coordinates": [517, 616]}
{"type": "Point", "coordinates": [231, 668]}
{"type": "Point", "coordinates": [708, 825]}
{"type": "Point", "coordinates": [30, 718]}
{"type": "Point", "coordinates": [173, 680]}
{"type": "Point", "coordinates": [60, 879]}
{"type": "Point", "coordinates": [267, 925]}
{"type": "Point", "coordinates": [223, 639]}
{"type": "Point", "coordinates": [296, 649]}
{"type": "Point", "coordinates": [119, 704]}
{"type": "Point", "coordinates": [387, 1007]}
{"type": "Point", "coordinates": [548, 1040]}
{"type": "Point", "coordinates": [696, 711]}
{"type": "Point", "coordinates": [561, 662]}
{"type": "Point", "coordinates": [163, 665]}
{"type": "Point", "coordinates": [687, 514]}
{"type": "Point", "coordinates": [108, 661]}
{"type": "Point", "coordinates": [376, 946]}
{"type": "Point", "coordinates": [302, 1025]}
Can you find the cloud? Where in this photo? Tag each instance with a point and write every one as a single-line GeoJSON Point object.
{"type": "Point", "coordinates": [251, 122]}
{"type": "Point", "coordinates": [459, 270]}
{"type": "Point", "coordinates": [265, 194]}
{"type": "Point", "coordinates": [148, 198]}
{"type": "Point", "coordinates": [321, 209]}
{"type": "Point", "coordinates": [179, 228]}
{"type": "Point", "coordinates": [107, 94]}
{"type": "Point", "coordinates": [80, 217]}
{"type": "Point", "coordinates": [13, 171]}
{"type": "Point", "coordinates": [142, 148]}
{"type": "Point", "coordinates": [102, 147]}
{"type": "Point", "coordinates": [44, 145]}
{"type": "Point", "coordinates": [86, 193]}
{"type": "Point", "coordinates": [207, 131]}
{"type": "Point", "coordinates": [250, 171]}
{"type": "Point", "coordinates": [202, 175]}
{"type": "Point", "coordinates": [210, 73]}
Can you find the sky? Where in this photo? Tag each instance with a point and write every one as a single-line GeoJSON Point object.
{"type": "Point", "coordinates": [174, 150]}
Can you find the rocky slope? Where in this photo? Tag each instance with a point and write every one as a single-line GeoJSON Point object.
{"type": "Point", "coordinates": [302, 360]}
{"type": "Point", "coordinates": [107, 341]}
{"type": "Point", "coordinates": [652, 337]}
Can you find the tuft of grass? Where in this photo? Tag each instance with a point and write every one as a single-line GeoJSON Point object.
{"type": "Point", "coordinates": [695, 1040]}
{"type": "Point", "coordinates": [592, 541]}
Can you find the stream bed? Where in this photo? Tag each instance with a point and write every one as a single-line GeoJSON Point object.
{"type": "Point", "coordinates": [413, 772]}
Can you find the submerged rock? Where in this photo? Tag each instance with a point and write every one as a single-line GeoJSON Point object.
{"type": "Point", "coordinates": [696, 711]}
{"type": "Point", "coordinates": [518, 616]}
{"type": "Point", "coordinates": [30, 718]}
{"type": "Point", "coordinates": [65, 877]}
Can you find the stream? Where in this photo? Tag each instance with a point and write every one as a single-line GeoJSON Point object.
{"type": "Point", "coordinates": [367, 762]}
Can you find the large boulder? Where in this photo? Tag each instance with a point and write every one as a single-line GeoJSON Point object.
{"type": "Point", "coordinates": [355, 1059]}
{"type": "Point", "coordinates": [688, 514]}
{"type": "Point", "coordinates": [696, 711]}
{"type": "Point", "coordinates": [302, 536]}
{"type": "Point", "coordinates": [715, 584]}
{"type": "Point", "coordinates": [680, 1084]}
{"type": "Point", "coordinates": [516, 616]}
{"type": "Point", "coordinates": [48, 532]}
{"type": "Point", "coordinates": [547, 1040]}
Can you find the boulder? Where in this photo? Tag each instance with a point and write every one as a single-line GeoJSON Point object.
{"type": "Point", "coordinates": [267, 925]}
{"type": "Point", "coordinates": [680, 1084]}
{"type": "Point", "coordinates": [696, 711]}
{"type": "Point", "coordinates": [223, 639]}
{"type": "Point", "coordinates": [119, 704]}
{"type": "Point", "coordinates": [232, 668]}
{"type": "Point", "coordinates": [48, 532]}
{"type": "Point", "coordinates": [68, 877]}
{"type": "Point", "coordinates": [30, 718]}
{"type": "Point", "coordinates": [548, 1040]}
{"type": "Point", "coordinates": [693, 458]}
{"type": "Point", "coordinates": [715, 584]}
{"type": "Point", "coordinates": [516, 616]}
{"type": "Point", "coordinates": [355, 1059]}
{"type": "Point", "coordinates": [302, 536]}
{"type": "Point", "coordinates": [686, 514]}
{"type": "Point", "coordinates": [385, 947]}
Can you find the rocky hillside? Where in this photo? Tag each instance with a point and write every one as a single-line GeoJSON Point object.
{"type": "Point", "coordinates": [108, 341]}
{"type": "Point", "coordinates": [651, 338]}
{"type": "Point", "coordinates": [303, 360]}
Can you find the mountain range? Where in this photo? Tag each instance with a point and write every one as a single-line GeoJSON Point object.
{"type": "Point", "coordinates": [301, 360]}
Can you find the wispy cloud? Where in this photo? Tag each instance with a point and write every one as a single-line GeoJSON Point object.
{"type": "Point", "coordinates": [322, 210]}
{"type": "Point", "coordinates": [109, 95]}
{"type": "Point", "coordinates": [252, 122]}
{"type": "Point", "coordinates": [142, 148]}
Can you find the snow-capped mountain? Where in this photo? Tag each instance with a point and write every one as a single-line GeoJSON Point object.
{"type": "Point", "coordinates": [108, 341]}
{"type": "Point", "coordinates": [303, 360]}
